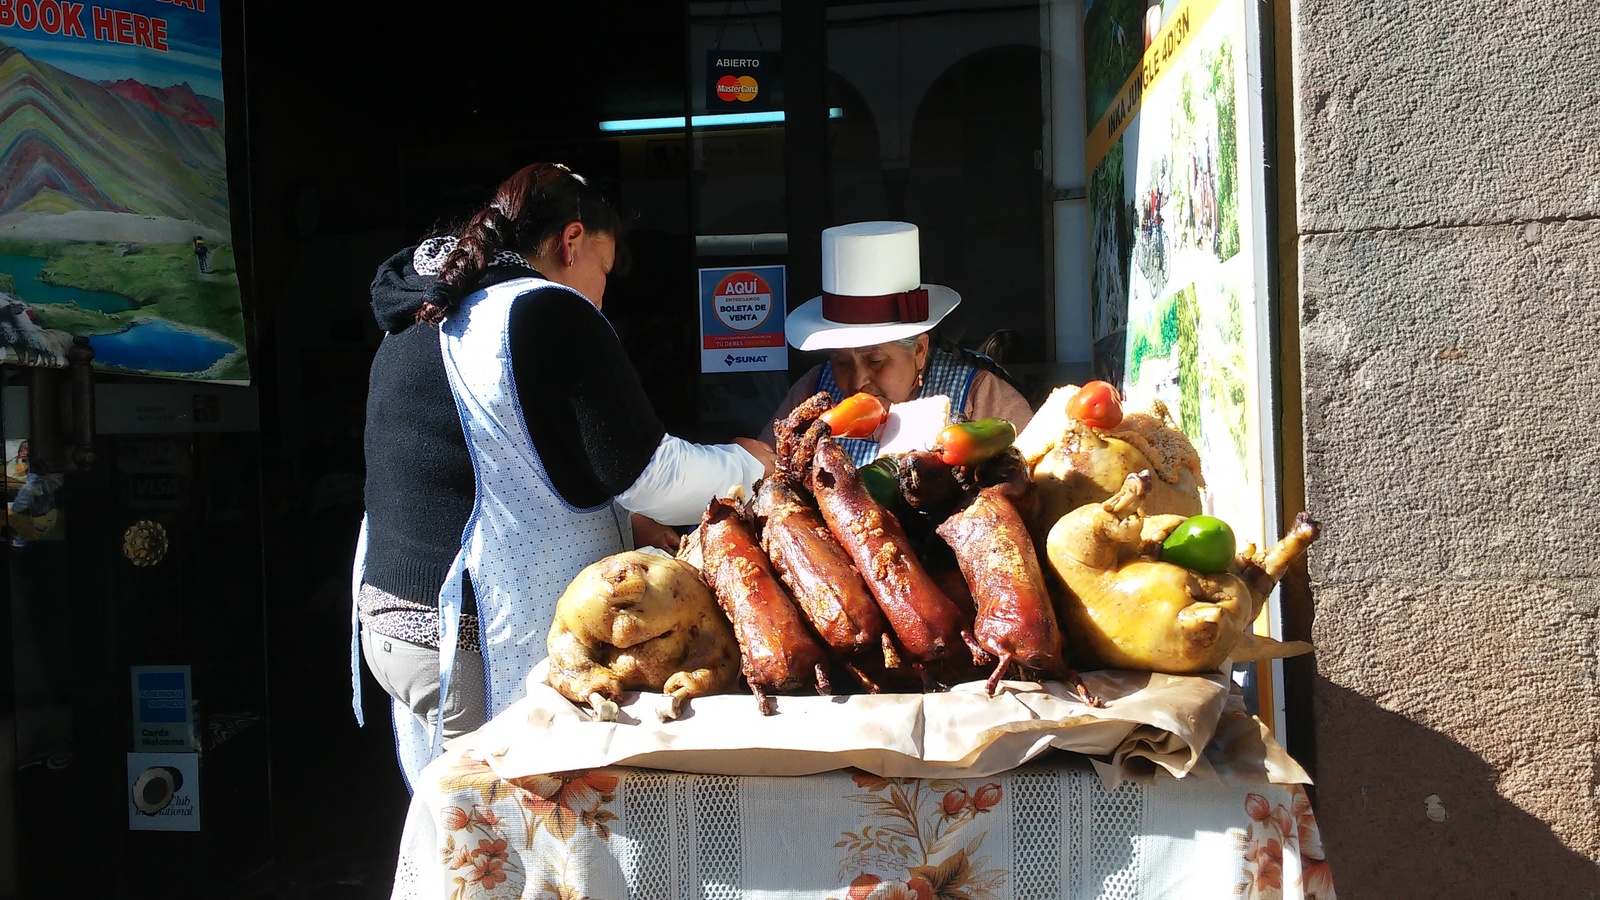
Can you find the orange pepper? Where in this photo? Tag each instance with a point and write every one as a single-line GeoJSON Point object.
{"type": "Point", "coordinates": [856, 416]}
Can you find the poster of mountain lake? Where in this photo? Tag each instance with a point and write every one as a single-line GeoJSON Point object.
{"type": "Point", "coordinates": [114, 214]}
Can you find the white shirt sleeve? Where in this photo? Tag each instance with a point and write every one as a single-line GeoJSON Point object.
{"type": "Point", "coordinates": [681, 479]}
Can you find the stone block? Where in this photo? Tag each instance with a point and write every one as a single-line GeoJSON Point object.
{"type": "Point", "coordinates": [1459, 113]}
{"type": "Point", "coordinates": [1455, 723]}
{"type": "Point", "coordinates": [1451, 388]}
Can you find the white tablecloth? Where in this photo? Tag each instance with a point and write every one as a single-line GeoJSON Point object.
{"type": "Point", "coordinates": [1048, 829]}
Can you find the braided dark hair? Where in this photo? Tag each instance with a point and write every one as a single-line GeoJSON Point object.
{"type": "Point", "coordinates": [528, 208]}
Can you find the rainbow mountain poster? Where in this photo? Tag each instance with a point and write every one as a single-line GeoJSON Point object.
{"type": "Point", "coordinates": [114, 220]}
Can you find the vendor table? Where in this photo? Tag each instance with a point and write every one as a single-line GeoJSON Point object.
{"type": "Point", "coordinates": [1047, 829]}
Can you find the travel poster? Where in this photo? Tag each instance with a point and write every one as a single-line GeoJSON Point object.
{"type": "Point", "coordinates": [114, 218]}
{"type": "Point", "coordinates": [1173, 277]}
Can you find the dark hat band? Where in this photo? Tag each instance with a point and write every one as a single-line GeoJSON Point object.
{"type": "Point", "coordinates": [882, 309]}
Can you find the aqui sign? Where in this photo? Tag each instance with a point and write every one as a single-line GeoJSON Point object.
{"type": "Point", "coordinates": [741, 319]}
{"type": "Point", "coordinates": [743, 301]}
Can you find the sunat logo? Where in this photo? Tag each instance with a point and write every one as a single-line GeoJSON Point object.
{"type": "Point", "coordinates": [738, 360]}
{"type": "Point", "coordinates": [742, 88]}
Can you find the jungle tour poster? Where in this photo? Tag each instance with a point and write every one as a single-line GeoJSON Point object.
{"type": "Point", "coordinates": [1175, 255]}
{"type": "Point", "coordinates": [114, 219]}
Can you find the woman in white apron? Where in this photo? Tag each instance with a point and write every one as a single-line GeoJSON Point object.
{"type": "Point", "coordinates": [508, 440]}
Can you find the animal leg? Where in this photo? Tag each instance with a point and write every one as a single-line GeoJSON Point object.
{"type": "Point", "coordinates": [979, 655]}
{"type": "Point", "coordinates": [872, 686]}
{"type": "Point", "coordinates": [1076, 680]}
{"type": "Point", "coordinates": [823, 686]}
{"type": "Point", "coordinates": [673, 707]}
{"type": "Point", "coordinates": [763, 702]}
{"type": "Point", "coordinates": [604, 710]}
{"type": "Point", "coordinates": [891, 659]}
{"type": "Point", "coordinates": [999, 673]}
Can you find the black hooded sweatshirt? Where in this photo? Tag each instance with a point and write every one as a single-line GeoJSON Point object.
{"type": "Point", "coordinates": [587, 414]}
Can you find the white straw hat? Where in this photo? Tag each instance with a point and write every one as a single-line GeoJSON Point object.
{"type": "Point", "coordinates": [872, 290]}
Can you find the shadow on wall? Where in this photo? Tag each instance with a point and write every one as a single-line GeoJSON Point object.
{"type": "Point", "coordinates": [1407, 812]}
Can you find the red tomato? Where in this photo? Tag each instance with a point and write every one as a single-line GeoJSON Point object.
{"type": "Point", "coordinates": [856, 416]}
{"type": "Point", "coordinates": [1096, 405]}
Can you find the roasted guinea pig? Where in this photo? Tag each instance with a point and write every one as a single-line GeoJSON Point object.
{"type": "Point", "coordinates": [1074, 463]}
{"type": "Point", "coordinates": [819, 573]}
{"type": "Point", "coordinates": [1015, 621]}
{"type": "Point", "coordinates": [927, 624]}
{"type": "Point", "coordinates": [795, 437]}
{"type": "Point", "coordinates": [776, 647]}
{"type": "Point", "coordinates": [638, 621]}
{"type": "Point", "coordinates": [1124, 608]}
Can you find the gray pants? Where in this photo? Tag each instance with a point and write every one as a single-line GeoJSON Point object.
{"type": "Point", "coordinates": [410, 674]}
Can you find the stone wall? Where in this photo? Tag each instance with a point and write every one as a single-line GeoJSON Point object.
{"type": "Point", "coordinates": [1448, 185]}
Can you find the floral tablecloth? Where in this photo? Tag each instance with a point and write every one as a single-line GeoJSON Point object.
{"type": "Point", "coordinates": [1048, 829]}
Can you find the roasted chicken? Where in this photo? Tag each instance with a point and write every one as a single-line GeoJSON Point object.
{"type": "Point", "coordinates": [1075, 463]}
{"type": "Point", "coordinates": [1124, 608]}
{"type": "Point", "coordinates": [638, 621]}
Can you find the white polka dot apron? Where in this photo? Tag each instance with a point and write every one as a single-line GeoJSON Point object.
{"type": "Point", "coordinates": [523, 543]}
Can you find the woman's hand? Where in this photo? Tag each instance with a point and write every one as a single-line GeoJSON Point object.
{"type": "Point", "coordinates": [647, 532]}
{"type": "Point", "coordinates": [762, 452]}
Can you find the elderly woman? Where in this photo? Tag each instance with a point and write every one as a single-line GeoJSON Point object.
{"type": "Point", "coordinates": [873, 318]}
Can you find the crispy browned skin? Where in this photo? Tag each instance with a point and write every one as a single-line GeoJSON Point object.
{"type": "Point", "coordinates": [946, 573]}
{"type": "Point", "coordinates": [795, 437]}
{"type": "Point", "coordinates": [925, 621]}
{"type": "Point", "coordinates": [817, 570]}
{"type": "Point", "coordinates": [927, 483]}
{"type": "Point", "coordinates": [1016, 620]}
{"type": "Point", "coordinates": [1010, 471]}
{"type": "Point", "coordinates": [777, 651]}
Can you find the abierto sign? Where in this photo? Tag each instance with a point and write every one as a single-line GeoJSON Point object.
{"type": "Point", "coordinates": [739, 80]}
{"type": "Point", "coordinates": [741, 319]}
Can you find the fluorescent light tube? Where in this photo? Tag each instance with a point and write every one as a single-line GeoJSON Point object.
{"type": "Point", "coordinates": [709, 120]}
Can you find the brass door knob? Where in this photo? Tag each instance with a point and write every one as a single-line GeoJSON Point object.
{"type": "Point", "coordinates": [145, 543]}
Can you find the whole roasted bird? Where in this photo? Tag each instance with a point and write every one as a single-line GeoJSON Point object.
{"type": "Point", "coordinates": [1126, 608]}
{"type": "Point", "coordinates": [637, 621]}
{"type": "Point", "coordinates": [1079, 457]}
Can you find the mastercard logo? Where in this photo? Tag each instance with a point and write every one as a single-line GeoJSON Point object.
{"type": "Point", "coordinates": [742, 88]}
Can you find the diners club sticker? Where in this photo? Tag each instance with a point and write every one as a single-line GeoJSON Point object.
{"type": "Point", "coordinates": [741, 320]}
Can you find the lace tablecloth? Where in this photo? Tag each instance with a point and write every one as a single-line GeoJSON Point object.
{"type": "Point", "coordinates": [1047, 829]}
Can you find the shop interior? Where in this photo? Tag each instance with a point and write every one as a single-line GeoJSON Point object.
{"type": "Point", "coordinates": [349, 141]}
